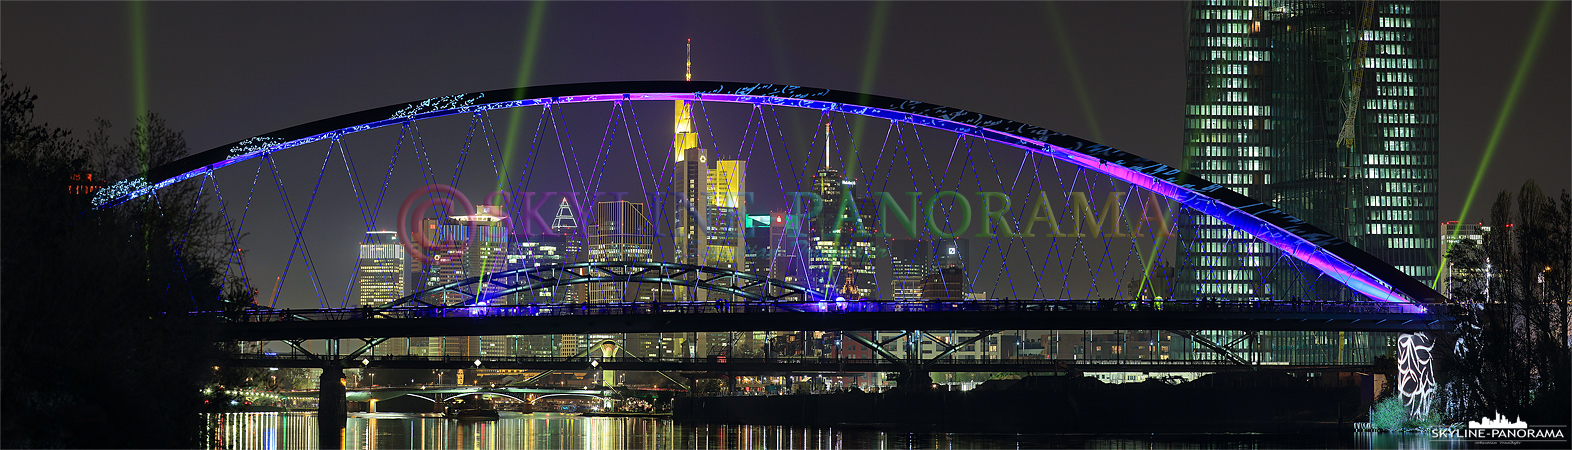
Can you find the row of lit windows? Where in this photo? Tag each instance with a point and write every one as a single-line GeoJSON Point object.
{"type": "Point", "coordinates": [1230, 41]}
{"type": "Point", "coordinates": [1405, 91]}
{"type": "Point", "coordinates": [1222, 14]}
{"type": "Point", "coordinates": [1228, 69]}
{"type": "Point", "coordinates": [1412, 187]}
{"type": "Point", "coordinates": [1390, 49]}
{"type": "Point", "coordinates": [1246, 165]}
{"type": "Point", "coordinates": [1221, 233]}
{"type": "Point", "coordinates": [1220, 124]}
{"type": "Point", "coordinates": [1230, 110]}
{"type": "Point", "coordinates": [1390, 228]}
{"type": "Point", "coordinates": [1229, 82]}
{"type": "Point", "coordinates": [1388, 103]}
{"type": "Point", "coordinates": [1408, 160]}
{"type": "Point", "coordinates": [1396, 174]}
{"type": "Point", "coordinates": [1410, 243]}
{"type": "Point", "coordinates": [1397, 63]}
{"type": "Point", "coordinates": [1394, 22]}
{"type": "Point", "coordinates": [1225, 27]}
{"type": "Point", "coordinates": [1226, 138]}
{"type": "Point", "coordinates": [1392, 214]}
{"type": "Point", "coordinates": [1403, 132]}
{"type": "Point", "coordinates": [1228, 275]}
{"type": "Point", "coordinates": [1230, 247]}
{"type": "Point", "coordinates": [1399, 36]}
{"type": "Point", "coordinates": [1219, 289]}
{"type": "Point", "coordinates": [1397, 200]}
{"type": "Point", "coordinates": [1239, 3]}
{"type": "Point", "coordinates": [1402, 146]}
{"type": "Point", "coordinates": [1405, 118]}
{"type": "Point", "coordinates": [1243, 151]}
{"type": "Point", "coordinates": [1240, 55]}
{"type": "Point", "coordinates": [1418, 271]}
{"type": "Point", "coordinates": [1395, 77]}
{"type": "Point", "coordinates": [1234, 179]}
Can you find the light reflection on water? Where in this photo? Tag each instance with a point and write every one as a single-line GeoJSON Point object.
{"type": "Point", "coordinates": [245, 431]}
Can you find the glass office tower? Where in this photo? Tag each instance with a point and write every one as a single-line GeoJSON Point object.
{"type": "Point", "coordinates": [1327, 110]}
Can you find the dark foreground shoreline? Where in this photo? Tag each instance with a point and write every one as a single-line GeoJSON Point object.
{"type": "Point", "coordinates": [1056, 404]}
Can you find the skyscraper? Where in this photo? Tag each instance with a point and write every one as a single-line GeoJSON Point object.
{"type": "Point", "coordinates": [690, 185]}
{"type": "Point", "coordinates": [622, 233]}
{"type": "Point", "coordinates": [1327, 110]}
{"type": "Point", "coordinates": [840, 259]}
{"type": "Point", "coordinates": [380, 278]}
{"type": "Point", "coordinates": [727, 210]}
{"type": "Point", "coordinates": [913, 261]}
{"type": "Point", "coordinates": [466, 246]}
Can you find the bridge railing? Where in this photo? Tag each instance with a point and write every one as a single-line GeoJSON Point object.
{"type": "Point", "coordinates": [374, 361]}
{"type": "Point", "coordinates": [826, 307]}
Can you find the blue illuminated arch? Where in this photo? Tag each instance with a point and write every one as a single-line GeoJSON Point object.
{"type": "Point", "coordinates": [1331, 255]}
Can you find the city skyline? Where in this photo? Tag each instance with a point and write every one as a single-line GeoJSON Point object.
{"type": "Point", "coordinates": [886, 80]}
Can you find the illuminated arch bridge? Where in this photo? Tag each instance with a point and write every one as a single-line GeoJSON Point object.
{"type": "Point", "coordinates": [534, 139]}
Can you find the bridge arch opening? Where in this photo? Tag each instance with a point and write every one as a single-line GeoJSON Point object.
{"type": "Point", "coordinates": [1256, 221]}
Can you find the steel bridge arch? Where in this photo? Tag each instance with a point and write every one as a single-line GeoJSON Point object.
{"type": "Point", "coordinates": [483, 394]}
{"type": "Point", "coordinates": [568, 394]}
{"type": "Point", "coordinates": [1330, 254]}
{"type": "Point", "coordinates": [714, 279]}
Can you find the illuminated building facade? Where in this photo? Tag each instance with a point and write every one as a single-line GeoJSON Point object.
{"type": "Point", "coordinates": [1452, 233]}
{"type": "Point", "coordinates": [622, 231]}
{"type": "Point", "coordinates": [841, 256]}
{"type": "Point", "coordinates": [379, 280]}
{"type": "Point", "coordinates": [913, 261]}
{"type": "Point", "coordinates": [465, 246]}
{"type": "Point", "coordinates": [1328, 110]}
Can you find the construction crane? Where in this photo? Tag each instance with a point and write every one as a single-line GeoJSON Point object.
{"type": "Point", "coordinates": [1345, 138]}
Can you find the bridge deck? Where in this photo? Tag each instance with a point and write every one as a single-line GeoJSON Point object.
{"type": "Point", "coordinates": [793, 365]}
{"type": "Point", "coordinates": [428, 321]}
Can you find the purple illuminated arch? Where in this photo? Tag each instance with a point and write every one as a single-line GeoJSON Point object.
{"type": "Point", "coordinates": [1331, 255]}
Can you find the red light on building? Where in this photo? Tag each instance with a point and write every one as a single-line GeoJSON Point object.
{"type": "Point", "coordinates": [83, 184]}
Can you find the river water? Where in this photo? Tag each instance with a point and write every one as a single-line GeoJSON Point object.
{"type": "Point", "coordinates": [292, 430]}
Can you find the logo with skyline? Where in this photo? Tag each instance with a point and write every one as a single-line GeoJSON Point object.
{"type": "Point", "coordinates": [1501, 430]}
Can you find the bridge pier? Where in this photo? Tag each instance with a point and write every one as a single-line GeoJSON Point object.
{"type": "Point", "coordinates": [332, 408]}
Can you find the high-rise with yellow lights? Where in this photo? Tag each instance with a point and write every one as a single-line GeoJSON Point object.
{"type": "Point", "coordinates": [709, 207]}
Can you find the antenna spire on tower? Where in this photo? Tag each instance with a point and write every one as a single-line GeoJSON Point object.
{"type": "Point", "coordinates": [826, 144]}
{"type": "Point", "coordinates": [688, 75]}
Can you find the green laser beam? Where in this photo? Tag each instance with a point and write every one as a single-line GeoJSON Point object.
{"type": "Point", "coordinates": [140, 117]}
{"type": "Point", "coordinates": [1068, 54]}
{"type": "Point", "coordinates": [870, 70]}
{"type": "Point", "coordinates": [537, 13]}
{"type": "Point", "coordinates": [1524, 64]}
{"type": "Point", "coordinates": [139, 81]}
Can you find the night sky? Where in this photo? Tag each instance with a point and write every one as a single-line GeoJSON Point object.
{"type": "Point", "coordinates": [1111, 72]}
